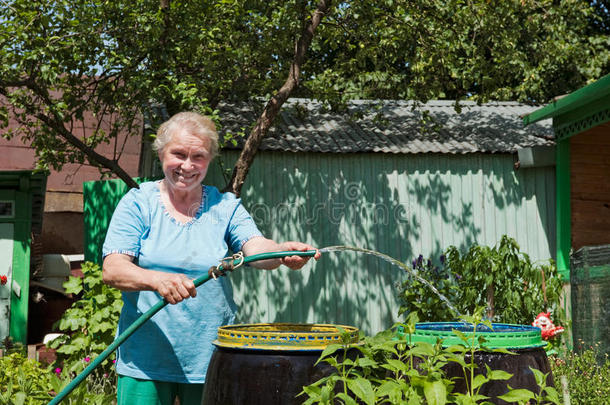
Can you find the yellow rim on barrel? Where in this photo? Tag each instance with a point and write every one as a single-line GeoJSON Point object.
{"type": "Point", "coordinates": [284, 336]}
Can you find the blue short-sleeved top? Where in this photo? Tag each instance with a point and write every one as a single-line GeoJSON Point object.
{"type": "Point", "coordinates": [175, 344]}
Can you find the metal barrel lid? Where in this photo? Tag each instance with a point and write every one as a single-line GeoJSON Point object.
{"type": "Point", "coordinates": [501, 335]}
{"type": "Point", "coordinates": [283, 336]}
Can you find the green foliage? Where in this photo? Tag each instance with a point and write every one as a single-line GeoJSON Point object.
{"type": "Point", "coordinates": [500, 278]}
{"type": "Point", "coordinates": [506, 282]}
{"type": "Point", "coordinates": [27, 382]}
{"type": "Point", "coordinates": [65, 65]}
{"type": "Point", "coordinates": [528, 51]}
{"type": "Point", "coordinates": [390, 369]}
{"type": "Point", "coordinates": [417, 297]}
{"type": "Point", "coordinates": [97, 389]}
{"type": "Point", "coordinates": [104, 63]}
{"type": "Point", "coordinates": [90, 324]}
{"type": "Point", "coordinates": [585, 375]}
{"type": "Point", "coordinates": [9, 346]}
{"type": "Point", "coordinates": [89, 327]}
{"type": "Point", "coordinates": [23, 381]}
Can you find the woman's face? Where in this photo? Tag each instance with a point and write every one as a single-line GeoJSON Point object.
{"type": "Point", "coordinates": [185, 160]}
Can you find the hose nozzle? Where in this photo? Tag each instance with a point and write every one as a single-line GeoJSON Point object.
{"type": "Point", "coordinates": [227, 264]}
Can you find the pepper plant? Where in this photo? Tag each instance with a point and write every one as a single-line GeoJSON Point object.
{"type": "Point", "coordinates": [390, 368]}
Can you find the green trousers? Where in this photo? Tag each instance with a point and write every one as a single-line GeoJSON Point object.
{"type": "Point", "coordinates": [133, 391]}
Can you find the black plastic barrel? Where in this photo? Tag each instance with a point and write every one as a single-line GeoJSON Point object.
{"type": "Point", "coordinates": [268, 363]}
{"type": "Point", "coordinates": [524, 341]}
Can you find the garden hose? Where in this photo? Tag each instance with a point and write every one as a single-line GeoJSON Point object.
{"type": "Point", "coordinates": [227, 264]}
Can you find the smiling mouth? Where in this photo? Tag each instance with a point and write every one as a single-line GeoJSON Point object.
{"type": "Point", "coordinates": [186, 176]}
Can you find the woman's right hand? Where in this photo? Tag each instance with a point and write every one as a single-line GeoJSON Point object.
{"type": "Point", "coordinates": [120, 272]}
{"type": "Point", "coordinates": [174, 287]}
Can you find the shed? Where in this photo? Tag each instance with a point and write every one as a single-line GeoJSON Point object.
{"type": "Point", "coordinates": [581, 124]}
{"type": "Point", "coordinates": [21, 207]}
{"type": "Point", "coordinates": [397, 177]}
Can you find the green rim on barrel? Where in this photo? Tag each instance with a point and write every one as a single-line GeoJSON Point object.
{"type": "Point", "coordinates": [500, 336]}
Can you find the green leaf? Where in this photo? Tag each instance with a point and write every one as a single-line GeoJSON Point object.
{"type": "Point", "coordinates": [518, 395]}
{"type": "Point", "coordinates": [347, 400]}
{"type": "Point", "coordinates": [395, 365]}
{"type": "Point", "coordinates": [387, 388]}
{"type": "Point", "coordinates": [330, 349]}
{"type": "Point", "coordinates": [312, 390]}
{"type": "Point", "coordinates": [552, 395]}
{"type": "Point", "coordinates": [539, 375]}
{"type": "Point", "coordinates": [479, 380]}
{"type": "Point", "coordinates": [504, 351]}
{"type": "Point", "coordinates": [365, 362]}
{"type": "Point", "coordinates": [100, 299]}
{"type": "Point", "coordinates": [73, 285]}
{"type": "Point", "coordinates": [363, 389]}
{"type": "Point", "coordinates": [422, 349]}
{"type": "Point", "coordinates": [499, 375]}
{"type": "Point", "coordinates": [20, 398]}
{"type": "Point", "coordinates": [326, 393]}
{"type": "Point", "coordinates": [435, 392]}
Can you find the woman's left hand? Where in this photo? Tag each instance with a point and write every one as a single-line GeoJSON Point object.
{"type": "Point", "coordinates": [263, 245]}
{"type": "Point", "coordinates": [296, 262]}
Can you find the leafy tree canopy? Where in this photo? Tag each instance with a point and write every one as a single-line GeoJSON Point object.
{"type": "Point", "coordinates": [66, 62]}
{"type": "Point", "coordinates": [528, 50]}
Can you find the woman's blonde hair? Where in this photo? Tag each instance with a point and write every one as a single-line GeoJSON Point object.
{"type": "Point", "coordinates": [197, 124]}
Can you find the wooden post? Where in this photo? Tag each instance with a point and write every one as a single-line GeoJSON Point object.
{"type": "Point", "coordinates": [32, 352]}
{"type": "Point", "coordinates": [490, 301]}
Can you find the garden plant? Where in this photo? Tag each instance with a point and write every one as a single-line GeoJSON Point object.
{"type": "Point", "coordinates": [493, 277]}
{"type": "Point", "coordinates": [89, 327]}
{"type": "Point", "coordinates": [386, 369]}
{"type": "Point", "coordinates": [23, 381]}
{"type": "Point", "coordinates": [26, 381]}
{"type": "Point", "coordinates": [585, 373]}
{"type": "Point", "coordinates": [391, 369]}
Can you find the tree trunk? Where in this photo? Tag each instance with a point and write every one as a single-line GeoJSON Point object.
{"type": "Point", "coordinates": [273, 106]}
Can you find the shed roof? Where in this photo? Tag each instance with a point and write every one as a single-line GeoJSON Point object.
{"type": "Point", "coordinates": [305, 125]}
{"type": "Point", "coordinates": [578, 111]}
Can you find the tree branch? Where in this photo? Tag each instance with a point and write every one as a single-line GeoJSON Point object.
{"type": "Point", "coordinates": [92, 156]}
{"type": "Point", "coordinates": [55, 123]}
{"type": "Point", "coordinates": [273, 106]}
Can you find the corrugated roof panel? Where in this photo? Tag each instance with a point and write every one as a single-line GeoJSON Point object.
{"type": "Point", "coordinates": [396, 127]}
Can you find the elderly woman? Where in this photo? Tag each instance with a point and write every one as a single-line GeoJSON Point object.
{"type": "Point", "coordinates": [161, 237]}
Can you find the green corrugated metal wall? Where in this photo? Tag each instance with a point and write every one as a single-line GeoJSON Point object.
{"type": "Point", "coordinates": [401, 205]}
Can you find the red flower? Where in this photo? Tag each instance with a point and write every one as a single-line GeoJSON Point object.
{"type": "Point", "coordinates": [3, 280]}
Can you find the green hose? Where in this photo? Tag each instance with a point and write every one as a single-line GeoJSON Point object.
{"type": "Point", "coordinates": [156, 308]}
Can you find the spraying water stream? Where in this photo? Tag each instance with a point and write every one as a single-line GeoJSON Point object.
{"type": "Point", "coordinates": [397, 263]}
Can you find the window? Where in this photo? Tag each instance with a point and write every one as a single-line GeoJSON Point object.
{"type": "Point", "coordinates": [7, 209]}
